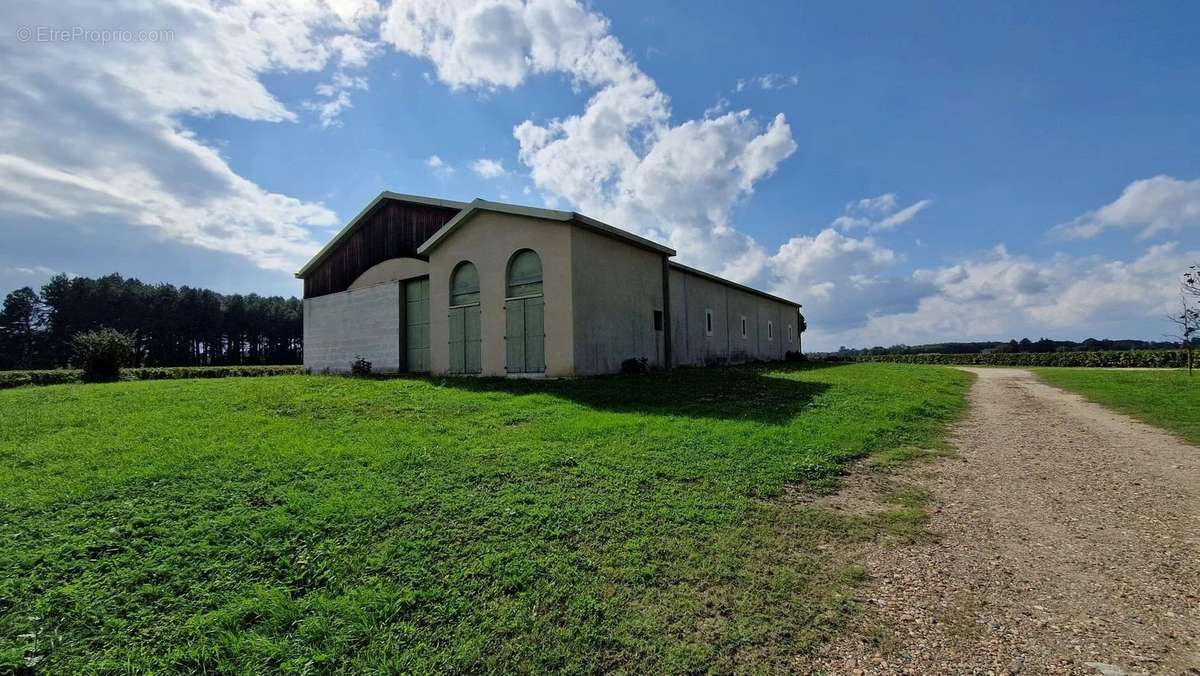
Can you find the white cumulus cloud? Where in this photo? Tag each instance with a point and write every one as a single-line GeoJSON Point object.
{"type": "Point", "coordinates": [878, 213]}
{"type": "Point", "coordinates": [94, 131]}
{"type": "Point", "coordinates": [768, 82]}
{"type": "Point", "coordinates": [1149, 205]}
{"type": "Point", "coordinates": [488, 168]}
{"type": "Point", "coordinates": [439, 166]}
{"type": "Point", "coordinates": [621, 158]}
{"type": "Point", "coordinates": [1000, 295]}
{"type": "Point", "coordinates": [843, 280]}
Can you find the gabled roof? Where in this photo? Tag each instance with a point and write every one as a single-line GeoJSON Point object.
{"type": "Point", "coordinates": [478, 206]}
{"type": "Point", "coordinates": [353, 224]}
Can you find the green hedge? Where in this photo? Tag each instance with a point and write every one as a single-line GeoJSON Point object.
{"type": "Point", "coordinates": [1114, 359]}
{"type": "Point", "coordinates": [60, 376]}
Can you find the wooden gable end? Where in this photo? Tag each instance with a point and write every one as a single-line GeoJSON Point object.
{"type": "Point", "coordinates": [393, 229]}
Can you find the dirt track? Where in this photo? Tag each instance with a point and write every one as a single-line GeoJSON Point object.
{"type": "Point", "coordinates": [1066, 540]}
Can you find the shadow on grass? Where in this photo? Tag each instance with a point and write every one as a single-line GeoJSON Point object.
{"type": "Point", "coordinates": [756, 392]}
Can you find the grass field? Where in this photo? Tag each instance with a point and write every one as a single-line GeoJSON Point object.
{"type": "Point", "coordinates": [311, 523]}
{"type": "Point", "coordinates": [1167, 398]}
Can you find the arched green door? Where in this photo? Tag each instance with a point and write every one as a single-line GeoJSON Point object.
{"type": "Point", "coordinates": [464, 320]}
{"type": "Point", "coordinates": [525, 330]}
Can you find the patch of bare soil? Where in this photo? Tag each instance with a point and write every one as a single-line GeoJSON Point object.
{"type": "Point", "coordinates": [1065, 540]}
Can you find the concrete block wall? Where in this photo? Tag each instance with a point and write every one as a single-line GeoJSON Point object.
{"type": "Point", "coordinates": [364, 321]}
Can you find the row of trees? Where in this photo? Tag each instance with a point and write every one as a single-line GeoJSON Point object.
{"type": "Point", "coordinates": [171, 326]}
{"type": "Point", "coordinates": [1041, 345]}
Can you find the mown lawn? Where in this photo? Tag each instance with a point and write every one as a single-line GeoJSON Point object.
{"type": "Point", "coordinates": [1168, 398]}
{"type": "Point", "coordinates": [306, 523]}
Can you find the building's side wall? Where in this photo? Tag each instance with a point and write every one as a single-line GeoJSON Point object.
{"type": "Point", "coordinates": [692, 294]}
{"type": "Point", "coordinates": [391, 270]}
{"type": "Point", "coordinates": [364, 322]}
{"type": "Point", "coordinates": [488, 240]}
{"type": "Point", "coordinates": [617, 288]}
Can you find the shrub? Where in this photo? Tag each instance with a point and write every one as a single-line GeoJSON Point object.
{"type": "Point", "coordinates": [635, 365]}
{"type": "Point", "coordinates": [233, 371]}
{"type": "Point", "coordinates": [60, 376]}
{"type": "Point", "coordinates": [48, 377]}
{"type": "Point", "coordinates": [100, 354]}
{"type": "Point", "coordinates": [360, 366]}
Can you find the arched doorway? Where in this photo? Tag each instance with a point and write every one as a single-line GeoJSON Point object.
{"type": "Point", "coordinates": [464, 319]}
{"type": "Point", "coordinates": [525, 331]}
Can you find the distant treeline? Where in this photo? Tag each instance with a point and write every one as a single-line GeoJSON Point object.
{"type": "Point", "coordinates": [1024, 346]}
{"type": "Point", "coordinates": [174, 326]}
{"type": "Point", "coordinates": [1110, 359]}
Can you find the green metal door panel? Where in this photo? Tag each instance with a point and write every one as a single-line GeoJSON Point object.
{"type": "Point", "coordinates": [514, 336]}
{"type": "Point", "coordinates": [472, 363]}
{"type": "Point", "coordinates": [464, 339]}
{"type": "Point", "coordinates": [535, 335]}
{"type": "Point", "coordinates": [416, 330]}
{"type": "Point", "coordinates": [457, 333]}
{"type": "Point", "coordinates": [525, 337]}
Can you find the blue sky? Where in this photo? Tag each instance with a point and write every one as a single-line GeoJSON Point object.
{"type": "Point", "coordinates": [908, 171]}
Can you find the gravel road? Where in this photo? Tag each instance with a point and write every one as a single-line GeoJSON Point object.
{"type": "Point", "coordinates": [1066, 540]}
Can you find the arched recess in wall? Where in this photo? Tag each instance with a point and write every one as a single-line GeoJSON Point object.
{"type": "Point", "coordinates": [524, 309]}
{"type": "Point", "coordinates": [391, 270]}
{"type": "Point", "coordinates": [464, 321]}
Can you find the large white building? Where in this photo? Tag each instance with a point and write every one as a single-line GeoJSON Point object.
{"type": "Point", "coordinates": [428, 285]}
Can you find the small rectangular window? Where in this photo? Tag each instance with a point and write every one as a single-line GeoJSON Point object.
{"type": "Point", "coordinates": [743, 326]}
{"type": "Point", "coordinates": [789, 333]}
{"type": "Point", "coordinates": [770, 331]}
{"type": "Point", "coordinates": [658, 320]}
{"type": "Point", "coordinates": [708, 322]}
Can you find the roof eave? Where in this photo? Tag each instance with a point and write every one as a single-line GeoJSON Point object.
{"type": "Point", "coordinates": [606, 229]}
{"type": "Point", "coordinates": [586, 222]}
{"type": "Point", "coordinates": [741, 287]}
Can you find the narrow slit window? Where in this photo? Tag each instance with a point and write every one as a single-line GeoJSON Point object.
{"type": "Point", "coordinates": [743, 326]}
{"type": "Point", "coordinates": [708, 322]}
{"type": "Point", "coordinates": [658, 320]}
{"type": "Point", "coordinates": [770, 331]}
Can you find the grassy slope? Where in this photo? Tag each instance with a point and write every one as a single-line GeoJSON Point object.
{"type": "Point", "coordinates": [1169, 398]}
{"type": "Point", "coordinates": [293, 522]}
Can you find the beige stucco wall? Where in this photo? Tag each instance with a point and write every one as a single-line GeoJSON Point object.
{"type": "Point", "coordinates": [391, 270]}
{"type": "Point", "coordinates": [488, 240]}
{"type": "Point", "coordinates": [691, 294]}
{"type": "Point", "coordinates": [617, 288]}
